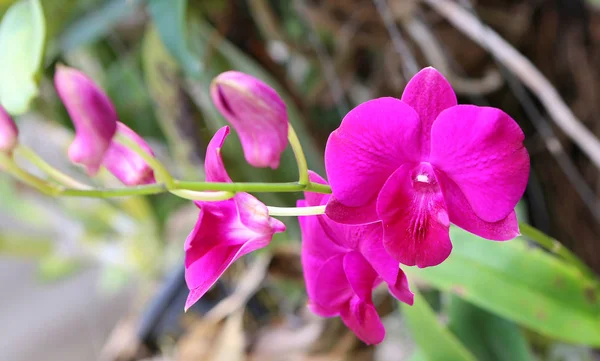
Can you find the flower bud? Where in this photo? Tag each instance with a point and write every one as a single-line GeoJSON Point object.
{"type": "Point", "coordinates": [92, 113]}
{"type": "Point", "coordinates": [124, 163]}
{"type": "Point", "coordinates": [256, 112]}
{"type": "Point", "coordinates": [8, 132]}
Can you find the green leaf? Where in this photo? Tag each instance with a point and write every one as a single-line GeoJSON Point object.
{"type": "Point", "coordinates": [521, 283]}
{"type": "Point", "coordinates": [96, 24]}
{"type": "Point", "coordinates": [435, 341]}
{"type": "Point", "coordinates": [22, 38]}
{"type": "Point", "coordinates": [55, 268]}
{"type": "Point", "coordinates": [486, 335]}
{"type": "Point", "coordinates": [175, 111]}
{"type": "Point", "coordinates": [169, 17]}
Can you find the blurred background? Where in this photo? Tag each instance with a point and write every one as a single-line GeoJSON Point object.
{"type": "Point", "coordinates": [88, 279]}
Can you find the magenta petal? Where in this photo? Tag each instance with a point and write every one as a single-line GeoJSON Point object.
{"type": "Point", "coordinates": [361, 275]}
{"type": "Point", "coordinates": [371, 246]}
{"type": "Point", "coordinates": [8, 132]}
{"type": "Point", "coordinates": [373, 140]}
{"type": "Point", "coordinates": [415, 220]}
{"type": "Point", "coordinates": [462, 215]}
{"type": "Point", "coordinates": [256, 112]}
{"type": "Point", "coordinates": [428, 93]}
{"type": "Point", "coordinates": [204, 272]}
{"type": "Point", "coordinates": [125, 164]}
{"type": "Point", "coordinates": [332, 289]}
{"type": "Point", "coordinates": [92, 113]}
{"type": "Point", "coordinates": [481, 150]}
{"type": "Point", "coordinates": [351, 215]}
{"type": "Point", "coordinates": [362, 318]}
{"type": "Point", "coordinates": [213, 163]}
{"type": "Point", "coordinates": [225, 231]}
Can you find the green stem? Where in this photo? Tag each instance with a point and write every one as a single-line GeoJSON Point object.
{"type": "Point", "coordinates": [296, 211]}
{"type": "Point", "coordinates": [299, 154]}
{"type": "Point", "coordinates": [54, 173]}
{"type": "Point", "coordinates": [115, 192]}
{"type": "Point", "coordinates": [10, 166]}
{"type": "Point", "coordinates": [555, 247]}
{"type": "Point", "coordinates": [202, 196]}
{"type": "Point", "coordinates": [161, 173]}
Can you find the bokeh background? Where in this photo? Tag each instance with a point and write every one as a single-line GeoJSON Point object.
{"type": "Point", "coordinates": [88, 279]}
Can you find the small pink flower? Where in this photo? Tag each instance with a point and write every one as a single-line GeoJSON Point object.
{"type": "Point", "coordinates": [421, 162]}
{"type": "Point", "coordinates": [9, 133]}
{"type": "Point", "coordinates": [126, 164]}
{"type": "Point", "coordinates": [256, 112]}
{"type": "Point", "coordinates": [93, 114]}
{"type": "Point", "coordinates": [342, 264]}
{"type": "Point", "coordinates": [225, 230]}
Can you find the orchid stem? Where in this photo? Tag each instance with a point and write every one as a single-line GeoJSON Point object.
{"type": "Point", "coordinates": [296, 211]}
{"type": "Point", "coordinates": [162, 174]}
{"type": "Point", "coordinates": [555, 247]}
{"type": "Point", "coordinates": [299, 154]}
{"type": "Point", "coordinates": [8, 164]}
{"type": "Point", "coordinates": [54, 173]}
{"type": "Point", "coordinates": [202, 196]}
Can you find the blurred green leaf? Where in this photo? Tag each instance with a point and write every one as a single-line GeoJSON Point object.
{"type": "Point", "coordinates": [22, 37]}
{"type": "Point", "coordinates": [96, 23]}
{"type": "Point", "coordinates": [435, 341]}
{"type": "Point", "coordinates": [486, 335]}
{"type": "Point", "coordinates": [520, 283]}
{"type": "Point", "coordinates": [177, 115]}
{"type": "Point", "coordinates": [169, 17]}
{"type": "Point", "coordinates": [55, 268]}
{"type": "Point", "coordinates": [418, 355]}
{"type": "Point", "coordinates": [19, 245]}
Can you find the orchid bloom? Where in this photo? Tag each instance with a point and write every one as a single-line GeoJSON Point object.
{"type": "Point", "coordinates": [256, 112]}
{"type": "Point", "coordinates": [225, 230]}
{"type": "Point", "coordinates": [342, 264]}
{"type": "Point", "coordinates": [124, 163]}
{"type": "Point", "coordinates": [9, 133]}
{"type": "Point", "coordinates": [422, 162]}
{"type": "Point", "coordinates": [93, 115]}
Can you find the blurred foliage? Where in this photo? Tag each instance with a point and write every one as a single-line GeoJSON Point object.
{"type": "Point", "coordinates": [156, 59]}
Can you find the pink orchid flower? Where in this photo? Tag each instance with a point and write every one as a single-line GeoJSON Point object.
{"type": "Point", "coordinates": [225, 230]}
{"type": "Point", "coordinates": [256, 112]}
{"type": "Point", "coordinates": [124, 163]}
{"type": "Point", "coordinates": [93, 114]}
{"type": "Point", "coordinates": [9, 133]}
{"type": "Point", "coordinates": [342, 264]}
{"type": "Point", "coordinates": [422, 162]}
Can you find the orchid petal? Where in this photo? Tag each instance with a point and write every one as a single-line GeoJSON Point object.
{"type": "Point", "coordinates": [127, 165]}
{"type": "Point", "coordinates": [213, 163]}
{"type": "Point", "coordinates": [417, 232]}
{"type": "Point", "coordinates": [461, 214]}
{"type": "Point", "coordinates": [481, 150]}
{"type": "Point", "coordinates": [362, 318]}
{"type": "Point", "coordinates": [332, 289]}
{"type": "Point", "coordinates": [387, 267]}
{"type": "Point", "coordinates": [373, 140]}
{"type": "Point", "coordinates": [256, 112]}
{"type": "Point", "coordinates": [93, 114]}
{"type": "Point", "coordinates": [428, 93]}
{"type": "Point", "coordinates": [361, 275]}
{"type": "Point", "coordinates": [204, 272]}
{"type": "Point", "coordinates": [351, 215]}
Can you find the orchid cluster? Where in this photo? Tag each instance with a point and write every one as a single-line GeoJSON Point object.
{"type": "Point", "coordinates": [400, 172]}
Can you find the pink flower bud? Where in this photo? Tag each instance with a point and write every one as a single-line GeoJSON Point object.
{"type": "Point", "coordinates": [256, 112]}
{"type": "Point", "coordinates": [92, 113]}
{"type": "Point", "coordinates": [8, 132]}
{"type": "Point", "coordinates": [124, 163]}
